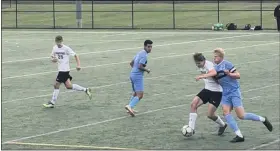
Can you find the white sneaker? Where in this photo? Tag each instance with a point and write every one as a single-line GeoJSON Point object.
{"type": "Point", "coordinates": [129, 110]}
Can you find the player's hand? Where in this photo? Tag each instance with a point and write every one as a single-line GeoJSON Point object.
{"type": "Point", "coordinates": [227, 72]}
{"type": "Point", "coordinates": [197, 78]}
{"type": "Point", "coordinates": [78, 68]}
{"type": "Point", "coordinates": [148, 71]}
{"type": "Point", "coordinates": [54, 59]}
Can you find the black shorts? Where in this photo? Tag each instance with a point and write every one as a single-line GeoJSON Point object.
{"type": "Point", "coordinates": [213, 97]}
{"type": "Point", "coordinates": [62, 77]}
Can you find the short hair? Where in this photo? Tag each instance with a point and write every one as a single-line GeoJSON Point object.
{"type": "Point", "coordinates": [58, 38]}
{"type": "Point", "coordinates": [198, 57]}
{"type": "Point", "coordinates": [220, 52]}
{"type": "Point", "coordinates": [148, 42]}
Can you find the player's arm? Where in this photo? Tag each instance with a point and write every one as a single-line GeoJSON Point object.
{"type": "Point", "coordinates": [141, 67]}
{"type": "Point", "coordinates": [142, 64]}
{"type": "Point", "coordinates": [233, 73]}
{"type": "Point", "coordinates": [53, 58]}
{"type": "Point", "coordinates": [211, 73]}
{"type": "Point", "coordinates": [77, 60]}
{"type": "Point", "coordinates": [72, 53]}
{"type": "Point", "coordinates": [131, 63]}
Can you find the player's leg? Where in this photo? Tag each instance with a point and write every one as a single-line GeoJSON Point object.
{"type": "Point", "coordinates": [77, 87]}
{"type": "Point", "coordinates": [241, 114]}
{"type": "Point", "coordinates": [216, 118]}
{"type": "Point", "coordinates": [227, 108]}
{"type": "Point", "coordinates": [57, 83]}
{"type": "Point", "coordinates": [133, 90]}
{"type": "Point", "coordinates": [131, 98]}
{"type": "Point", "coordinates": [197, 102]}
{"type": "Point", "coordinates": [138, 86]}
{"type": "Point", "coordinates": [133, 95]}
{"type": "Point", "coordinates": [214, 102]}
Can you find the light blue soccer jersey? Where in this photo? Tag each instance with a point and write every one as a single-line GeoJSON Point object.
{"type": "Point", "coordinates": [229, 85]}
{"type": "Point", "coordinates": [140, 58]}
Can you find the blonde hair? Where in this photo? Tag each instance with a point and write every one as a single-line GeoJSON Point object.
{"type": "Point", "coordinates": [220, 52]}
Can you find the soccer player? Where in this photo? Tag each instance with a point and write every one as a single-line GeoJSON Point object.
{"type": "Point", "coordinates": [227, 76]}
{"type": "Point", "coordinates": [60, 54]}
{"type": "Point", "coordinates": [138, 65]}
{"type": "Point", "coordinates": [211, 93]}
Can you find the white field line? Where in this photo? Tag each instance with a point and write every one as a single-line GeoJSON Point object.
{"type": "Point", "coordinates": [114, 50]}
{"type": "Point", "coordinates": [244, 41]}
{"type": "Point", "coordinates": [117, 63]}
{"type": "Point", "coordinates": [97, 87]}
{"type": "Point", "coordinates": [119, 118]}
{"type": "Point", "coordinates": [183, 32]}
{"type": "Point", "coordinates": [266, 144]}
{"type": "Point", "coordinates": [108, 85]}
{"type": "Point", "coordinates": [125, 82]}
{"type": "Point", "coordinates": [94, 40]}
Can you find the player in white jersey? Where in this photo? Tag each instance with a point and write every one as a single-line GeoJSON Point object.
{"type": "Point", "coordinates": [211, 93]}
{"type": "Point", "coordinates": [60, 55]}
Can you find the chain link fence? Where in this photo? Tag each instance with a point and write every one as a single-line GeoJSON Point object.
{"type": "Point", "coordinates": [136, 14]}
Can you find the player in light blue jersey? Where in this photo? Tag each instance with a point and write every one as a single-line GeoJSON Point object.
{"type": "Point", "coordinates": [138, 65]}
{"type": "Point", "coordinates": [227, 76]}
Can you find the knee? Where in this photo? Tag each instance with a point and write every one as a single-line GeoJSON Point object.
{"type": "Point", "coordinates": [68, 86]}
{"type": "Point", "coordinates": [226, 112]}
{"type": "Point", "coordinates": [240, 116]}
{"type": "Point", "coordinates": [140, 96]}
{"type": "Point", "coordinates": [56, 86]}
{"type": "Point", "coordinates": [194, 105]}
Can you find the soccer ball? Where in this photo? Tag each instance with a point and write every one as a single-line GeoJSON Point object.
{"type": "Point", "coordinates": [187, 131]}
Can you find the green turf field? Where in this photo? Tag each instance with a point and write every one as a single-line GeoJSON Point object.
{"type": "Point", "coordinates": [102, 123]}
{"type": "Point", "coordinates": [150, 15]}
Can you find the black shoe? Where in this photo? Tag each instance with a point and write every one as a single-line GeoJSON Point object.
{"type": "Point", "coordinates": [49, 105]}
{"type": "Point", "coordinates": [267, 124]}
{"type": "Point", "coordinates": [222, 129]}
{"type": "Point", "coordinates": [237, 139]}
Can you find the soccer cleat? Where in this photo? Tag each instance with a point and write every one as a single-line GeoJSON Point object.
{"type": "Point", "coordinates": [267, 124]}
{"type": "Point", "coordinates": [49, 105]}
{"type": "Point", "coordinates": [88, 92]}
{"type": "Point", "coordinates": [134, 111]}
{"type": "Point", "coordinates": [237, 139]}
{"type": "Point", "coordinates": [222, 129]}
{"type": "Point", "coordinates": [130, 111]}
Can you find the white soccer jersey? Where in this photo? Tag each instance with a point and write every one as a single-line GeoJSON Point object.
{"type": "Point", "coordinates": [62, 54]}
{"type": "Point", "coordinates": [210, 83]}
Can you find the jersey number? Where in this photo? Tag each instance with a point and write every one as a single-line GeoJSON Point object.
{"type": "Point", "coordinates": [60, 56]}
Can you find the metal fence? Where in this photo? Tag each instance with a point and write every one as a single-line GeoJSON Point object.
{"type": "Point", "coordinates": [136, 14]}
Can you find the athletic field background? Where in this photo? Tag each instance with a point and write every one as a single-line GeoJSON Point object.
{"type": "Point", "coordinates": [102, 123]}
{"type": "Point", "coordinates": [140, 15]}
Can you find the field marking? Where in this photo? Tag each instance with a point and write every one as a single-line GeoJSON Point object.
{"type": "Point", "coordinates": [183, 32]}
{"type": "Point", "coordinates": [243, 41]}
{"type": "Point", "coordinates": [124, 82]}
{"type": "Point", "coordinates": [113, 50]}
{"type": "Point", "coordinates": [117, 63]}
{"type": "Point", "coordinates": [97, 87]}
{"type": "Point", "coordinates": [69, 146]}
{"type": "Point", "coordinates": [119, 118]}
{"type": "Point", "coordinates": [264, 145]}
